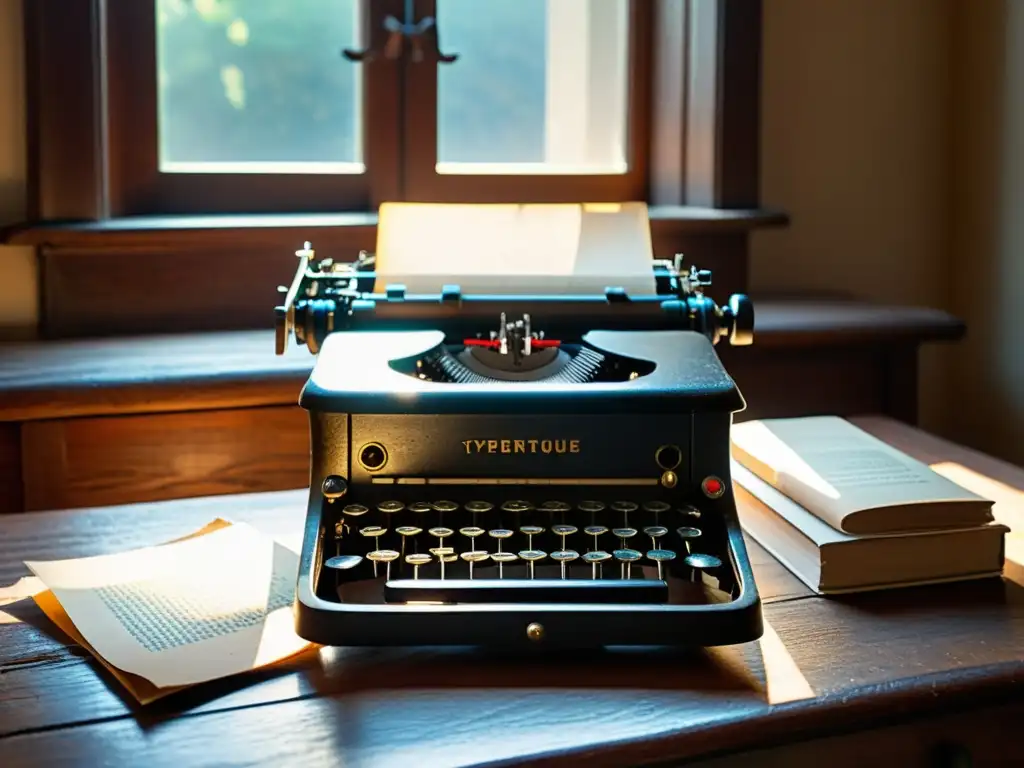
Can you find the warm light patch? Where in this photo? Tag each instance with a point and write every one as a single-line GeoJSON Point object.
{"type": "Point", "coordinates": [783, 679]}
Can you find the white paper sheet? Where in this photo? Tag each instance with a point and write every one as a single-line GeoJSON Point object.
{"type": "Point", "coordinates": [187, 612]}
{"type": "Point", "coordinates": [515, 249]}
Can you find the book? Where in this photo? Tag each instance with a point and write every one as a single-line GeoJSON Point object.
{"type": "Point", "coordinates": [829, 561]}
{"type": "Point", "coordinates": [852, 480]}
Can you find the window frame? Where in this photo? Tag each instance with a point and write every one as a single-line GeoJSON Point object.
{"type": "Point", "coordinates": [218, 271]}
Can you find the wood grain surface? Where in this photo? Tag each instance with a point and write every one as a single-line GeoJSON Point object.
{"type": "Point", "coordinates": [205, 371]}
{"type": "Point", "coordinates": [824, 667]}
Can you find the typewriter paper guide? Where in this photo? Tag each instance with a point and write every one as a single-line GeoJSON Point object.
{"type": "Point", "coordinates": [547, 249]}
{"type": "Point", "coordinates": [194, 610]}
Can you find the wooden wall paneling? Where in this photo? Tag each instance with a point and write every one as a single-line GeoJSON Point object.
{"type": "Point", "coordinates": [121, 459]}
{"type": "Point", "coordinates": [11, 494]}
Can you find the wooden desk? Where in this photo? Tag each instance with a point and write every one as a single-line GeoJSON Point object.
{"type": "Point", "coordinates": [881, 679]}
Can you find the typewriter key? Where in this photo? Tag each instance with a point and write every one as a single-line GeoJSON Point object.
{"type": "Point", "coordinates": [354, 510]}
{"type": "Point", "coordinates": [622, 534]}
{"type": "Point", "coordinates": [501, 558]}
{"type": "Point", "coordinates": [591, 506]}
{"type": "Point", "coordinates": [595, 559]}
{"type": "Point", "coordinates": [478, 508]}
{"type": "Point", "coordinates": [624, 507]}
{"type": "Point", "coordinates": [416, 561]}
{"type": "Point", "coordinates": [476, 556]}
{"type": "Point", "coordinates": [405, 531]}
{"type": "Point", "coordinates": [688, 510]}
{"type": "Point", "coordinates": [595, 531]}
{"type": "Point", "coordinates": [419, 507]}
{"type": "Point", "coordinates": [564, 557]}
{"type": "Point", "coordinates": [445, 506]}
{"type": "Point", "coordinates": [440, 533]}
{"type": "Point", "coordinates": [471, 532]}
{"type": "Point", "coordinates": [516, 505]}
{"type": "Point", "coordinates": [343, 562]}
{"type": "Point", "coordinates": [698, 563]}
{"type": "Point", "coordinates": [563, 531]}
{"type": "Point", "coordinates": [688, 534]}
{"type": "Point", "coordinates": [390, 507]}
{"type": "Point", "coordinates": [657, 507]}
{"type": "Point", "coordinates": [532, 556]}
{"type": "Point", "coordinates": [444, 555]}
{"type": "Point", "coordinates": [661, 556]}
{"type": "Point", "coordinates": [655, 532]}
{"type": "Point", "coordinates": [626, 557]}
{"type": "Point", "coordinates": [555, 508]}
{"type": "Point", "coordinates": [373, 531]}
{"type": "Point", "coordinates": [530, 531]}
{"type": "Point", "coordinates": [499, 534]}
{"type": "Point", "coordinates": [382, 556]}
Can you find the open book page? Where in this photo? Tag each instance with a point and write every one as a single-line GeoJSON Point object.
{"type": "Point", "coordinates": [514, 248]}
{"type": "Point", "coordinates": [183, 613]}
{"type": "Point", "coordinates": [852, 480]}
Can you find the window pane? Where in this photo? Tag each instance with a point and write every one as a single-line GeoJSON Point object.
{"type": "Point", "coordinates": [540, 86]}
{"type": "Point", "coordinates": [258, 86]}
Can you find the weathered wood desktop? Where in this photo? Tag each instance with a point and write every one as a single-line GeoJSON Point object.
{"type": "Point", "coordinates": [924, 676]}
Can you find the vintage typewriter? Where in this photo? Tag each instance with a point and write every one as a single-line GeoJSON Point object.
{"type": "Point", "coordinates": [518, 469]}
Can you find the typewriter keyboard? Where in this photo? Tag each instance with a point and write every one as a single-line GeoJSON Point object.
{"type": "Point", "coordinates": [585, 551]}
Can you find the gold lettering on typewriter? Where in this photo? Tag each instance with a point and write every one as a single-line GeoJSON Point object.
{"type": "Point", "coordinates": [521, 446]}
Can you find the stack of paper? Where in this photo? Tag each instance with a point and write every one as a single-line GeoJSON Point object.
{"type": "Point", "coordinates": [214, 604]}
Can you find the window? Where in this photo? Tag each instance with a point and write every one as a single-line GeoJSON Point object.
{"type": "Point", "coordinates": [216, 135]}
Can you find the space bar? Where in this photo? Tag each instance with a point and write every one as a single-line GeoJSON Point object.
{"type": "Point", "coordinates": [526, 591]}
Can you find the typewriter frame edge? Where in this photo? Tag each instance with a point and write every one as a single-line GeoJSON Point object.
{"type": "Point", "coordinates": [507, 625]}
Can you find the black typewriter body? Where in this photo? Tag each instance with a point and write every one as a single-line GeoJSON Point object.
{"type": "Point", "coordinates": [560, 481]}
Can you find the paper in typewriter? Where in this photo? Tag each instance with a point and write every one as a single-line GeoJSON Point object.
{"type": "Point", "coordinates": [515, 249]}
{"type": "Point", "coordinates": [206, 607]}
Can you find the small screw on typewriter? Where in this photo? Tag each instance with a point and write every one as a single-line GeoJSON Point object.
{"type": "Point", "coordinates": [521, 469]}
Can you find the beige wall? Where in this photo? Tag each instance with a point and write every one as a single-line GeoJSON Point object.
{"type": "Point", "coordinates": [18, 304]}
{"type": "Point", "coordinates": [987, 238]}
{"type": "Point", "coordinates": [855, 145]}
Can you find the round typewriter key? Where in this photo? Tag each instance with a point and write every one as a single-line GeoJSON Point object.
{"type": "Point", "coordinates": [595, 531]}
{"type": "Point", "coordinates": [382, 556]}
{"type": "Point", "coordinates": [373, 530]}
{"type": "Point", "coordinates": [444, 555]}
{"type": "Point", "coordinates": [627, 557]}
{"type": "Point", "coordinates": [500, 534]}
{"type": "Point", "coordinates": [591, 506]}
{"type": "Point", "coordinates": [405, 531]}
{"type": "Point", "coordinates": [419, 507]}
{"type": "Point", "coordinates": [698, 563]}
{"type": "Point", "coordinates": [478, 507]}
{"type": "Point", "coordinates": [688, 534]}
{"type": "Point", "coordinates": [554, 507]}
{"type": "Point", "coordinates": [595, 559]}
{"type": "Point", "coordinates": [471, 532]}
{"type": "Point", "coordinates": [516, 505]}
{"type": "Point", "coordinates": [440, 532]}
{"type": "Point", "coordinates": [532, 556]}
{"type": "Point", "coordinates": [354, 510]}
{"type": "Point", "coordinates": [624, 506]}
{"type": "Point", "coordinates": [445, 506]}
{"type": "Point", "coordinates": [390, 507]}
{"type": "Point", "coordinates": [501, 558]}
{"type": "Point", "coordinates": [563, 531]}
{"type": "Point", "coordinates": [657, 507]}
{"type": "Point", "coordinates": [688, 510]}
{"type": "Point", "coordinates": [476, 556]}
{"type": "Point", "coordinates": [655, 532]}
{"type": "Point", "coordinates": [564, 557]}
{"type": "Point", "coordinates": [343, 562]}
{"type": "Point", "coordinates": [530, 531]}
{"type": "Point", "coordinates": [622, 534]}
{"type": "Point", "coordinates": [661, 556]}
{"type": "Point", "coordinates": [416, 561]}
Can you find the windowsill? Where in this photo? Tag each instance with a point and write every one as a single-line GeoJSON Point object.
{"type": "Point", "coordinates": [292, 228]}
{"type": "Point", "coordinates": [238, 369]}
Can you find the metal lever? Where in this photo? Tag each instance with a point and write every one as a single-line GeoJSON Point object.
{"type": "Point", "coordinates": [399, 31]}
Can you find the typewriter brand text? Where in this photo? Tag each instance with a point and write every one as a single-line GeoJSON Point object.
{"type": "Point", "coordinates": [521, 446]}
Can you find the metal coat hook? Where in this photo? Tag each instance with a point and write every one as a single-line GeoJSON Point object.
{"type": "Point", "coordinates": [415, 32]}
